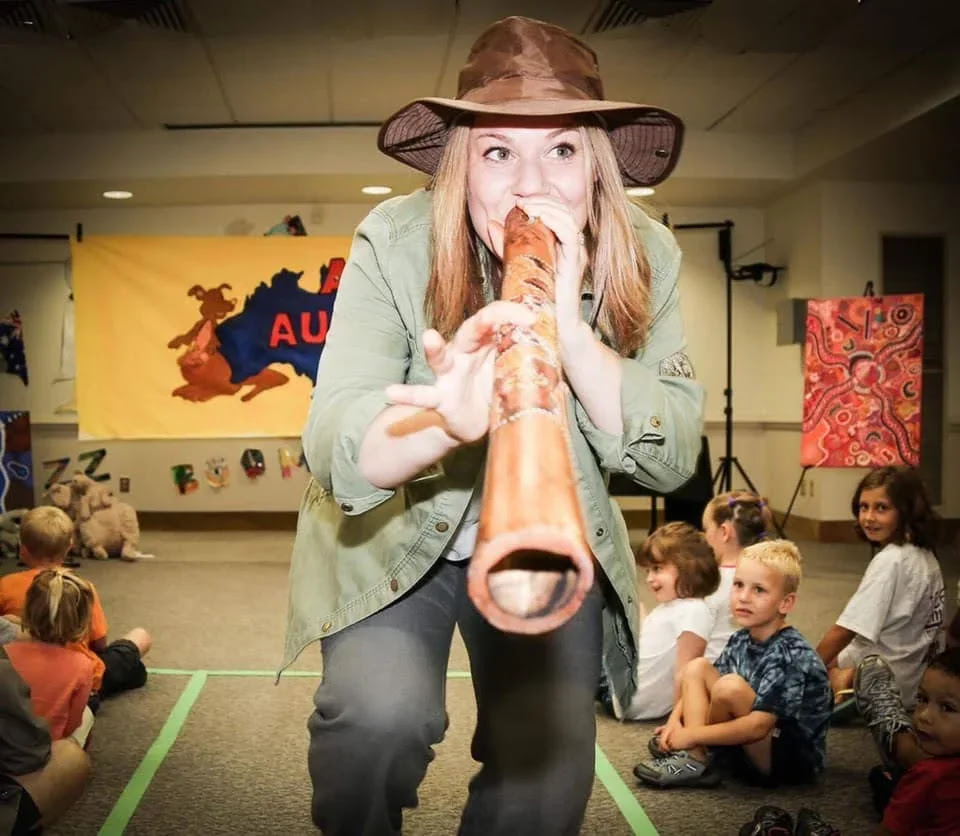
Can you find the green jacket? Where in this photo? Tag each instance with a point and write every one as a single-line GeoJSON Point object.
{"type": "Point", "coordinates": [359, 548]}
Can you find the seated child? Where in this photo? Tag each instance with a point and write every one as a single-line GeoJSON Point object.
{"type": "Point", "coordinates": [731, 522]}
{"type": "Point", "coordinates": [765, 702]}
{"type": "Point", "coordinates": [921, 755]}
{"type": "Point", "coordinates": [897, 611]}
{"type": "Point", "coordinates": [45, 536]}
{"type": "Point", "coordinates": [681, 570]}
{"type": "Point", "coordinates": [57, 614]}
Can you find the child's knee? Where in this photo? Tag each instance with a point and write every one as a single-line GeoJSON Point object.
{"type": "Point", "coordinates": [697, 669]}
{"type": "Point", "coordinates": [731, 688]}
{"type": "Point", "coordinates": [141, 638]}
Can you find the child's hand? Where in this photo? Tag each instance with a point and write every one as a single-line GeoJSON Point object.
{"type": "Point", "coordinates": [678, 738]}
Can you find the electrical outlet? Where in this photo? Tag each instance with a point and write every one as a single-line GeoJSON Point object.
{"type": "Point", "coordinates": [124, 484]}
{"type": "Point", "coordinates": [803, 489]}
{"type": "Point", "coordinates": [811, 487]}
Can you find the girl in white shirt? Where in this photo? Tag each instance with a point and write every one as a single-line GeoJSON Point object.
{"type": "Point", "coordinates": [897, 611]}
{"type": "Point", "coordinates": [681, 570]}
{"type": "Point", "coordinates": [731, 522]}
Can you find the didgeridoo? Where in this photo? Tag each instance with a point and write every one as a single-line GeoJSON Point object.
{"type": "Point", "coordinates": [532, 566]}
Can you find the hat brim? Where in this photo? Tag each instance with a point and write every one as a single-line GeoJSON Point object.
{"type": "Point", "coordinates": [646, 140]}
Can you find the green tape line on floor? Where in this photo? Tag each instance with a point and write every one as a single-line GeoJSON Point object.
{"type": "Point", "coordinates": [622, 796]}
{"type": "Point", "coordinates": [271, 674]}
{"type": "Point", "coordinates": [137, 786]}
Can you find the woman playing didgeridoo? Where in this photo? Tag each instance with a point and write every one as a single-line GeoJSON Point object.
{"type": "Point", "coordinates": [389, 518]}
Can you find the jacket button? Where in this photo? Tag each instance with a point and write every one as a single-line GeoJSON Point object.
{"type": "Point", "coordinates": [326, 627]}
{"type": "Point", "coordinates": [394, 584]}
{"type": "Point", "coordinates": [601, 532]}
{"type": "Point", "coordinates": [442, 526]}
{"type": "Point", "coordinates": [655, 422]}
{"type": "Point", "coordinates": [346, 506]}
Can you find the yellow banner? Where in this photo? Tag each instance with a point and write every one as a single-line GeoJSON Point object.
{"type": "Point", "coordinates": [200, 337]}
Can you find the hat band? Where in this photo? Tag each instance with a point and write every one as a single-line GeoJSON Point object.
{"type": "Point", "coordinates": [514, 88]}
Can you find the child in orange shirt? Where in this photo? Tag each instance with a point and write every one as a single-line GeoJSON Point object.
{"type": "Point", "coordinates": [57, 614]}
{"type": "Point", "coordinates": [46, 533]}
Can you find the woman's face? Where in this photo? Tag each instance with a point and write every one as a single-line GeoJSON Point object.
{"type": "Point", "coordinates": [510, 159]}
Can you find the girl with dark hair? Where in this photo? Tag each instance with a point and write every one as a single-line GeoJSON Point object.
{"type": "Point", "coordinates": [897, 611]}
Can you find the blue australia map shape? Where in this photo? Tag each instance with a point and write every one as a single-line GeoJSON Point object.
{"type": "Point", "coordinates": [280, 323]}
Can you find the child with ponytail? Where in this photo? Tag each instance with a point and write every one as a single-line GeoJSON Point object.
{"type": "Point", "coordinates": [731, 522]}
{"type": "Point", "coordinates": [57, 614]}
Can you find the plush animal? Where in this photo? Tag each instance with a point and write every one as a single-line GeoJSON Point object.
{"type": "Point", "coordinates": [10, 532]}
{"type": "Point", "coordinates": [104, 527]}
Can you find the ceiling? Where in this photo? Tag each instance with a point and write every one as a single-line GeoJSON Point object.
{"type": "Point", "coordinates": [729, 67]}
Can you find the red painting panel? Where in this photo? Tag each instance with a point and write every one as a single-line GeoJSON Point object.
{"type": "Point", "coordinates": [862, 381]}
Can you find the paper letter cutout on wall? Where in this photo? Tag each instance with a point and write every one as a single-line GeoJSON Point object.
{"type": "Point", "coordinates": [95, 456]}
{"type": "Point", "coordinates": [253, 463]}
{"type": "Point", "coordinates": [59, 466]}
{"type": "Point", "coordinates": [217, 472]}
{"type": "Point", "coordinates": [862, 381]}
{"type": "Point", "coordinates": [183, 478]}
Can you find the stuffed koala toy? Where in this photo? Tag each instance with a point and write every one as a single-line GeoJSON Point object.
{"type": "Point", "coordinates": [103, 526]}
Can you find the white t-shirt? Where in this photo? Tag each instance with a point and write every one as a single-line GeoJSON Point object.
{"type": "Point", "coordinates": [657, 654]}
{"type": "Point", "coordinates": [897, 613]}
{"type": "Point", "coordinates": [719, 604]}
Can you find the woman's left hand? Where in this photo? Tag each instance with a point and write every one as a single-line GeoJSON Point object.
{"type": "Point", "coordinates": [571, 254]}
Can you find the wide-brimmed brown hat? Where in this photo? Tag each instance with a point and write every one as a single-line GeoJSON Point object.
{"type": "Point", "coordinates": [524, 67]}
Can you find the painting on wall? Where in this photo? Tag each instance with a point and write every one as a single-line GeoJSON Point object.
{"type": "Point", "coordinates": [16, 464]}
{"type": "Point", "coordinates": [863, 364]}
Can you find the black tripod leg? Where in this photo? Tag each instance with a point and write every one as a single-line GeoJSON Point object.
{"type": "Point", "coordinates": [783, 523]}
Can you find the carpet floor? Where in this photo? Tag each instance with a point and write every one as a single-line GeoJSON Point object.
{"type": "Point", "coordinates": [212, 745]}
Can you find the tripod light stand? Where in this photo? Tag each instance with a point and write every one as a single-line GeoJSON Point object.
{"type": "Point", "coordinates": [723, 478]}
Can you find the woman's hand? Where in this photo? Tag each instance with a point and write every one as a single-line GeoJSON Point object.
{"type": "Point", "coordinates": [571, 255]}
{"type": "Point", "coordinates": [464, 368]}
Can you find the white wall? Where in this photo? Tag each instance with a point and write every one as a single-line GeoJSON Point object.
{"type": "Point", "coordinates": [830, 234]}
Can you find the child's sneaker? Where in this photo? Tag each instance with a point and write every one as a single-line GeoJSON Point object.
{"type": "Point", "coordinates": [653, 747]}
{"type": "Point", "coordinates": [809, 823]}
{"type": "Point", "coordinates": [678, 769]}
{"type": "Point", "coordinates": [878, 700]}
{"type": "Point", "coordinates": [845, 710]}
{"type": "Point", "coordinates": [768, 821]}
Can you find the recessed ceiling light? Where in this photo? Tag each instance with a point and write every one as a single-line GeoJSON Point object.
{"type": "Point", "coordinates": [640, 191]}
{"type": "Point", "coordinates": [376, 190]}
{"type": "Point", "coordinates": [118, 194]}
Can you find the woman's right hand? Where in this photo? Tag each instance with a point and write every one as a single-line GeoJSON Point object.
{"type": "Point", "coordinates": [463, 389]}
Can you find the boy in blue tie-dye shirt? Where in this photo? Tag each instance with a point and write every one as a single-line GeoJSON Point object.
{"type": "Point", "coordinates": [764, 706]}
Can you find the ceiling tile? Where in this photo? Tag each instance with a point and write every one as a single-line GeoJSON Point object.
{"type": "Point", "coordinates": [126, 52]}
{"type": "Point", "coordinates": [290, 52]}
{"type": "Point", "coordinates": [813, 82]}
{"type": "Point", "coordinates": [175, 100]}
{"type": "Point", "coordinates": [276, 97]}
{"type": "Point", "coordinates": [361, 89]}
{"type": "Point", "coordinates": [216, 17]}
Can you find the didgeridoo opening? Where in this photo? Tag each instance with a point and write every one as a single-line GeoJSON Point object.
{"type": "Point", "coordinates": [529, 581]}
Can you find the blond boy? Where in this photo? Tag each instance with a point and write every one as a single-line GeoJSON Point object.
{"type": "Point", "coordinates": [764, 706]}
{"type": "Point", "coordinates": [46, 534]}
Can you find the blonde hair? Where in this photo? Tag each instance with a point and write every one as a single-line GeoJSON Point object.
{"type": "Point", "coordinates": [46, 533]}
{"type": "Point", "coordinates": [686, 548]}
{"type": "Point", "coordinates": [782, 556]}
{"type": "Point", "coordinates": [58, 607]}
{"type": "Point", "coordinates": [619, 270]}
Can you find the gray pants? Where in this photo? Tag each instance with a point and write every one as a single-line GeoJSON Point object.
{"type": "Point", "coordinates": [381, 708]}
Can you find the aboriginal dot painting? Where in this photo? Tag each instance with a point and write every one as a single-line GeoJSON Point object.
{"type": "Point", "coordinates": [862, 378]}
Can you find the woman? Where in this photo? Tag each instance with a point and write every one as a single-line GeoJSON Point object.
{"type": "Point", "coordinates": [389, 517]}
